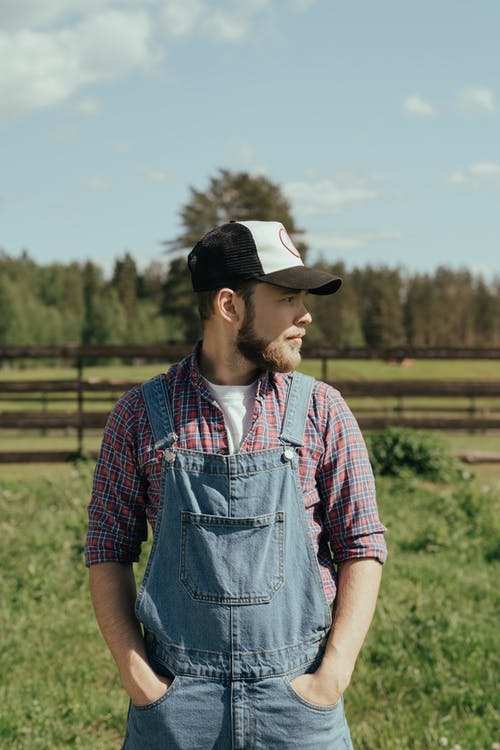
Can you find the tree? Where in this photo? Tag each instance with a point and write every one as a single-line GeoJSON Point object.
{"type": "Point", "coordinates": [126, 282]}
{"type": "Point", "coordinates": [151, 282]}
{"type": "Point", "coordinates": [234, 196]}
{"type": "Point", "coordinates": [453, 316]}
{"type": "Point", "coordinates": [421, 309]}
{"type": "Point", "coordinates": [230, 195]}
{"type": "Point", "coordinates": [104, 318]}
{"type": "Point", "coordinates": [179, 301]}
{"type": "Point", "coordinates": [380, 292]}
{"type": "Point", "coordinates": [12, 313]}
{"type": "Point", "coordinates": [336, 321]}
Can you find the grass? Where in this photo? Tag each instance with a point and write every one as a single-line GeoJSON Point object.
{"type": "Point", "coordinates": [348, 369]}
{"type": "Point", "coordinates": [58, 685]}
{"type": "Point", "coordinates": [408, 404]}
{"type": "Point", "coordinates": [109, 372]}
{"type": "Point", "coordinates": [427, 671]}
{"type": "Point", "coordinates": [424, 369]}
{"type": "Point", "coordinates": [426, 677]}
{"type": "Point", "coordinates": [54, 440]}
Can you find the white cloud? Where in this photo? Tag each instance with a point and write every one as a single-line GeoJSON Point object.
{"type": "Point", "coordinates": [40, 69]}
{"type": "Point", "coordinates": [245, 153]}
{"type": "Point", "coordinates": [49, 50]}
{"type": "Point", "coordinates": [64, 134]}
{"type": "Point", "coordinates": [415, 105]}
{"type": "Point", "coordinates": [352, 241]}
{"type": "Point", "coordinates": [227, 21]}
{"type": "Point", "coordinates": [121, 147]}
{"type": "Point", "coordinates": [18, 15]}
{"type": "Point", "coordinates": [243, 156]}
{"type": "Point", "coordinates": [97, 185]}
{"type": "Point", "coordinates": [157, 176]}
{"type": "Point", "coordinates": [229, 26]}
{"type": "Point", "coordinates": [476, 99]}
{"type": "Point", "coordinates": [330, 195]}
{"type": "Point", "coordinates": [88, 107]}
{"type": "Point", "coordinates": [233, 21]}
{"type": "Point", "coordinates": [180, 18]}
{"type": "Point", "coordinates": [302, 5]}
{"type": "Point", "coordinates": [481, 174]}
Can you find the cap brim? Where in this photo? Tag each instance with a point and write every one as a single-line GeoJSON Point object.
{"type": "Point", "coordinates": [301, 277]}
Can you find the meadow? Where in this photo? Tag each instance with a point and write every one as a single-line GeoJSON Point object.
{"type": "Point", "coordinates": [427, 677]}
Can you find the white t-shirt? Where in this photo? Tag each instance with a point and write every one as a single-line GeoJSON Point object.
{"type": "Point", "coordinates": [236, 403]}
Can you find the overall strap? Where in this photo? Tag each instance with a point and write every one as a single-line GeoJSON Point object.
{"type": "Point", "coordinates": [296, 408]}
{"type": "Point", "coordinates": [159, 411]}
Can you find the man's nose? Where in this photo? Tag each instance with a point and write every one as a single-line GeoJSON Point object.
{"type": "Point", "coordinates": [304, 316]}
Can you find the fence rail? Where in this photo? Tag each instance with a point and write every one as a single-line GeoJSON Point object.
{"type": "Point", "coordinates": [371, 416]}
{"type": "Point", "coordinates": [361, 388]}
{"type": "Point", "coordinates": [23, 387]}
{"type": "Point", "coordinates": [174, 352]}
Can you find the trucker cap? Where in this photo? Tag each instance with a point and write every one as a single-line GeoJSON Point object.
{"type": "Point", "coordinates": [241, 251]}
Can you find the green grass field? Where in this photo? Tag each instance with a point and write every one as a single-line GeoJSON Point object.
{"type": "Point", "coordinates": [427, 677]}
{"type": "Point", "coordinates": [342, 369]}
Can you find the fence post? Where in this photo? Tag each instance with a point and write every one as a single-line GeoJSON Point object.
{"type": "Point", "coordinates": [79, 365]}
{"type": "Point", "coordinates": [44, 430]}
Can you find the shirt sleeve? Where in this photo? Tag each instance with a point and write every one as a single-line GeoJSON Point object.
{"type": "Point", "coordinates": [117, 517]}
{"type": "Point", "coordinates": [347, 487]}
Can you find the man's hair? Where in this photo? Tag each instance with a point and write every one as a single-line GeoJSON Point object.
{"type": "Point", "coordinates": [206, 299]}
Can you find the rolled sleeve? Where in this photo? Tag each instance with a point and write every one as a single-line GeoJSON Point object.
{"type": "Point", "coordinates": [347, 488]}
{"type": "Point", "coordinates": [117, 517]}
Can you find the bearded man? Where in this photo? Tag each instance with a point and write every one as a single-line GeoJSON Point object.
{"type": "Point", "coordinates": [267, 550]}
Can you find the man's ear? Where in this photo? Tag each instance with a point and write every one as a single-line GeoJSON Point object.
{"type": "Point", "coordinates": [229, 306]}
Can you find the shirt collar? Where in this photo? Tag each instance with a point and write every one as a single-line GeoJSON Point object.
{"type": "Point", "coordinates": [266, 382]}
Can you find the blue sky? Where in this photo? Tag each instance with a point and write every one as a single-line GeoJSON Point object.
{"type": "Point", "coordinates": [380, 120]}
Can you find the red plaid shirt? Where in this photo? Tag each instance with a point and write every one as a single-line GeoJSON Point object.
{"type": "Point", "coordinates": [335, 473]}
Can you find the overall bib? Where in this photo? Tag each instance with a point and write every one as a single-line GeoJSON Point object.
{"type": "Point", "coordinates": [232, 602]}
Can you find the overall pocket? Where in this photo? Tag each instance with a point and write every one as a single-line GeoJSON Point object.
{"type": "Point", "coordinates": [232, 560]}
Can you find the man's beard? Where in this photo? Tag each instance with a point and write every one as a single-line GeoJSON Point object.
{"type": "Point", "coordinates": [265, 355]}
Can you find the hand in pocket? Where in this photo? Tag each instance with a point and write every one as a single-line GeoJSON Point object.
{"type": "Point", "coordinates": [313, 689]}
{"type": "Point", "coordinates": [150, 690]}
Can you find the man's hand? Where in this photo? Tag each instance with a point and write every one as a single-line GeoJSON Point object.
{"type": "Point", "coordinates": [321, 687]}
{"type": "Point", "coordinates": [358, 585]}
{"type": "Point", "coordinates": [152, 688]}
{"type": "Point", "coordinates": [113, 594]}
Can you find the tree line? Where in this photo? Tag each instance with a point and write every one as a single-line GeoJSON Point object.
{"type": "Point", "coordinates": [378, 306]}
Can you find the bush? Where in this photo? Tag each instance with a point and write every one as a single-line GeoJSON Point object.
{"type": "Point", "coordinates": [400, 452]}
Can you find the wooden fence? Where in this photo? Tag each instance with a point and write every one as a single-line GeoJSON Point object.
{"type": "Point", "coordinates": [372, 413]}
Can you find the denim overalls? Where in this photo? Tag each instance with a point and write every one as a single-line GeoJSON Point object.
{"type": "Point", "coordinates": [232, 601]}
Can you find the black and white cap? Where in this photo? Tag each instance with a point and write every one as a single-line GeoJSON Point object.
{"type": "Point", "coordinates": [262, 250]}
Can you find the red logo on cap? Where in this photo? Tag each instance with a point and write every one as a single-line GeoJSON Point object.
{"type": "Point", "coordinates": [287, 242]}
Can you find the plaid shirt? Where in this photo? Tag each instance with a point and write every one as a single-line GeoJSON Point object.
{"type": "Point", "coordinates": [335, 473]}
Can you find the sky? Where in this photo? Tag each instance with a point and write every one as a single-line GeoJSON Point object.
{"type": "Point", "coordinates": [379, 120]}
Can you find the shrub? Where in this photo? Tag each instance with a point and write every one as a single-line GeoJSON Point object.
{"type": "Point", "coordinates": [402, 452]}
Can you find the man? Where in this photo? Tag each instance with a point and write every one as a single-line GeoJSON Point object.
{"type": "Point", "coordinates": [252, 478]}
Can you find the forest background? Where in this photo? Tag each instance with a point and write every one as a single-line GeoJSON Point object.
{"type": "Point", "coordinates": [378, 306]}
